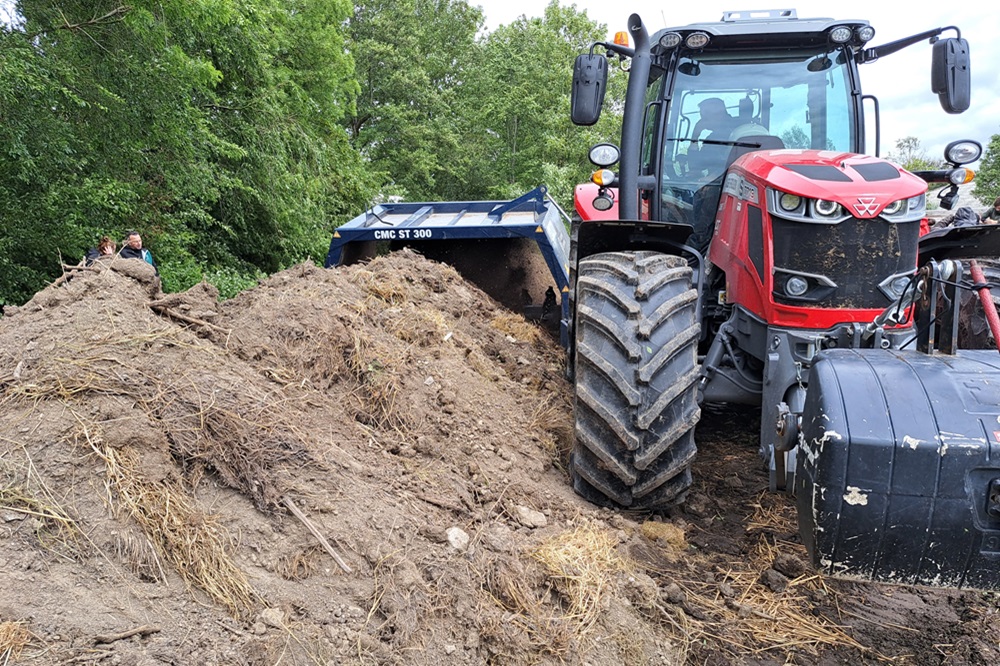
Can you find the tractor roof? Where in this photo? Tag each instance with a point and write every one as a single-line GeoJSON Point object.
{"type": "Point", "coordinates": [776, 27]}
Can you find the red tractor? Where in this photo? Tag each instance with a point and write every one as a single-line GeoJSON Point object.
{"type": "Point", "coordinates": [746, 251]}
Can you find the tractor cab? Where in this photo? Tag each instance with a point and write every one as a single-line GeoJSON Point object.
{"type": "Point", "coordinates": [701, 95]}
{"type": "Point", "coordinates": [708, 108]}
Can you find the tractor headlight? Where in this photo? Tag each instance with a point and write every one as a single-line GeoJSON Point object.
{"type": "Point", "coordinates": [603, 203]}
{"type": "Point", "coordinates": [790, 202]}
{"type": "Point", "coordinates": [826, 208]}
{"type": "Point", "coordinates": [895, 285]}
{"type": "Point", "coordinates": [696, 40]}
{"type": "Point", "coordinates": [802, 209]}
{"type": "Point", "coordinates": [898, 286]}
{"type": "Point", "coordinates": [963, 152]}
{"type": "Point", "coordinates": [906, 210]}
{"type": "Point", "coordinates": [894, 207]}
{"type": "Point", "coordinates": [796, 286]}
{"type": "Point", "coordinates": [670, 40]}
{"type": "Point", "coordinates": [603, 177]}
{"type": "Point", "coordinates": [865, 33]}
{"type": "Point", "coordinates": [961, 176]}
{"type": "Point", "coordinates": [604, 154]}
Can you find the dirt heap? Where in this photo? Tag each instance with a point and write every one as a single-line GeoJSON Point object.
{"type": "Point", "coordinates": [365, 466]}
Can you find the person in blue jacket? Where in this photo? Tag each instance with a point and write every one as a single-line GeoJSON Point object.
{"type": "Point", "coordinates": [133, 249]}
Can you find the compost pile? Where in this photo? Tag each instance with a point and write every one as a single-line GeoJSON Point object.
{"type": "Point", "coordinates": [367, 466]}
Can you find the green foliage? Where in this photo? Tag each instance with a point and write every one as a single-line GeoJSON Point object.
{"type": "Point", "coordinates": [230, 281]}
{"type": "Point", "coordinates": [988, 175]}
{"type": "Point", "coordinates": [910, 155]}
{"type": "Point", "coordinates": [795, 138]}
{"type": "Point", "coordinates": [211, 126]}
{"type": "Point", "coordinates": [518, 101]}
{"type": "Point", "coordinates": [445, 114]}
{"type": "Point", "coordinates": [413, 58]}
{"type": "Point", "coordinates": [236, 134]}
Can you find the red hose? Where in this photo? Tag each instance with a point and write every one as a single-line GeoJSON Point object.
{"type": "Point", "coordinates": [986, 298]}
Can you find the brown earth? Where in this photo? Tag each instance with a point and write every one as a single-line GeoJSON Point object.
{"type": "Point", "coordinates": [155, 450]}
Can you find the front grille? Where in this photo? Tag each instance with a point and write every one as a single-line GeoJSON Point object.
{"type": "Point", "coordinates": [855, 254]}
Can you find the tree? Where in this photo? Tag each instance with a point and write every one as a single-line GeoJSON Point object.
{"type": "Point", "coordinates": [213, 126]}
{"type": "Point", "coordinates": [445, 114]}
{"type": "Point", "coordinates": [235, 134]}
{"type": "Point", "coordinates": [518, 103]}
{"type": "Point", "coordinates": [54, 195]}
{"type": "Point", "coordinates": [285, 88]}
{"type": "Point", "coordinates": [412, 58]}
{"type": "Point", "coordinates": [988, 175]}
{"type": "Point", "coordinates": [910, 155]}
{"type": "Point", "coordinates": [795, 137]}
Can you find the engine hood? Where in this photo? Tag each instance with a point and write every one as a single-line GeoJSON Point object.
{"type": "Point", "coordinates": [862, 184]}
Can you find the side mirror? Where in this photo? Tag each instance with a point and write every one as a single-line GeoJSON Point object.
{"type": "Point", "coordinates": [950, 75]}
{"type": "Point", "coordinates": [590, 80]}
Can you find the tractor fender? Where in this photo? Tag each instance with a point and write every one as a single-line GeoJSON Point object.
{"type": "Point", "coordinates": [596, 236]}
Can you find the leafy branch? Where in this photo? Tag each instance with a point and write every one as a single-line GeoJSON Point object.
{"type": "Point", "coordinates": [116, 15]}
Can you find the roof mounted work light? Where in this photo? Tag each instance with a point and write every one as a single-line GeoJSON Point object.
{"type": "Point", "coordinates": [670, 40]}
{"type": "Point", "coordinates": [841, 34]}
{"type": "Point", "coordinates": [864, 33]}
{"type": "Point", "coordinates": [696, 40]}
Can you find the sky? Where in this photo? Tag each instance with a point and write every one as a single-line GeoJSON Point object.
{"type": "Point", "coordinates": [7, 14]}
{"type": "Point", "coordinates": [902, 81]}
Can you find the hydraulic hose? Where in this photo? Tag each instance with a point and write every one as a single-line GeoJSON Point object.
{"type": "Point", "coordinates": [986, 298]}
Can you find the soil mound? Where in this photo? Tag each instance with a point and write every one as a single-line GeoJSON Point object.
{"type": "Point", "coordinates": [365, 466]}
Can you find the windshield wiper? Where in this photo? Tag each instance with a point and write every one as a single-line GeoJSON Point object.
{"type": "Point", "coordinates": [714, 142]}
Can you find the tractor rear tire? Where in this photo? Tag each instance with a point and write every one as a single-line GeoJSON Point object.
{"type": "Point", "coordinates": [636, 363]}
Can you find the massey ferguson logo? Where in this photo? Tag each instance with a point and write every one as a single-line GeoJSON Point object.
{"type": "Point", "coordinates": [866, 206]}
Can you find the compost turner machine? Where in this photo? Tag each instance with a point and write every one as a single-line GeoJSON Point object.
{"type": "Point", "coordinates": [517, 251]}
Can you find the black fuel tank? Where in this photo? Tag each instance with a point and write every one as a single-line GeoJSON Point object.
{"type": "Point", "coordinates": [898, 467]}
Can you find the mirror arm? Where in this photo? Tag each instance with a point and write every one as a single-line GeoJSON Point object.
{"type": "Point", "coordinates": [623, 51]}
{"type": "Point", "coordinates": [876, 52]}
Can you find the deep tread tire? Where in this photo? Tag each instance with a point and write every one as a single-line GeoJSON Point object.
{"type": "Point", "coordinates": [636, 369]}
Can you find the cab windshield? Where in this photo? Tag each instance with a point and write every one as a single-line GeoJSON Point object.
{"type": "Point", "coordinates": [723, 105]}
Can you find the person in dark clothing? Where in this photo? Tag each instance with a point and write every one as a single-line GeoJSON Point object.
{"type": "Point", "coordinates": [707, 159]}
{"type": "Point", "coordinates": [964, 217]}
{"type": "Point", "coordinates": [133, 249]}
{"type": "Point", "coordinates": [992, 215]}
{"type": "Point", "coordinates": [716, 121]}
{"type": "Point", "coordinates": [105, 248]}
